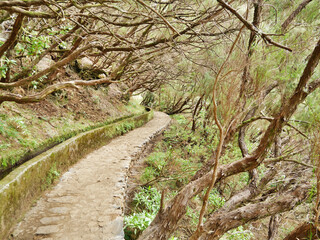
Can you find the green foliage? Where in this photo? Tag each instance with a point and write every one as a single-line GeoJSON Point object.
{"type": "Point", "coordinates": [178, 156]}
{"type": "Point", "coordinates": [146, 204]}
{"type": "Point", "coordinates": [4, 146]}
{"type": "Point", "coordinates": [148, 174]}
{"type": "Point", "coordinates": [21, 138]}
{"type": "Point", "coordinates": [157, 160]}
{"type": "Point", "coordinates": [309, 113]}
{"type": "Point", "coordinates": [148, 199]}
{"type": "Point", "coordinates": [173, 238]}
{"type": "Point", "coordinates": [35, 84]}
{"type": "Point", "coordinates": [137, 222]}
{"type": "Point", "coordinates": [15, 128]}
{"type": "Point", "coordinates": [134, 107]}
{"type": "Point", "coordinates": [193, 215]}
{"type": "Point", "coordinates": [5, 64]}
{"type": "Point", "coordinates": [312, 193]}
{"type": "Point", "coordinates": [51, 176]}
{"type": "Point", "coordinates": [125, 127]}
{"type": "Point", "coordinates": [171, 100]}
{"type": "Point", "coordinates": [34, 44]}
{"type": "Point", "coordinates": [238, 234]}
{"type": "Point", "coordinates": [148, 99]}
{"type": "Point", "coordinates": [6, 130]}
{"type": "Point", "coordinates": [215, 200]}
{"type": "Point", "coordinates": [310, 14]}
{"type": "Point", "coordinates": [63, 30]}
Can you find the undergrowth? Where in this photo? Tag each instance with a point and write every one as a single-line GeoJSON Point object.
{"type": "Point", "coordinates": [170, 166]}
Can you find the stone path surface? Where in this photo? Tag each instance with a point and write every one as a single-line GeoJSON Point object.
{"type": "Point", "coordinates": [88, 201]}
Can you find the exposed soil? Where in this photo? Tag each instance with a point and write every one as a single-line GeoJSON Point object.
{"type": "Point", "coordinates": [87, 203]}
{"type": "Point", "coordinates": [92, 104]}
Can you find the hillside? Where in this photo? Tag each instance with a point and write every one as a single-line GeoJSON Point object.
{"type": "Point", "coordinates": [27, 130]}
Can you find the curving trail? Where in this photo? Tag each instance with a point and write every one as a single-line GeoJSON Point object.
{"type": "Point", "coordinates": [87, 203]}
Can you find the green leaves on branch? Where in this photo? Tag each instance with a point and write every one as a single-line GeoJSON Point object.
{"type": "Point", "coordinates": [35, 44]}
{"type": "Point", "coordinates": [5, 64]}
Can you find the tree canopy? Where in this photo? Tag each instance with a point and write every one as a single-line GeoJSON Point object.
{"type": "Point", "coordinates": [248, 69]}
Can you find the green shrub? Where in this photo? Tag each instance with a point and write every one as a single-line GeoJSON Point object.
{"type": "Point", "coordinates": [148, 174]}
{"type": "Point", "coordinates": [193, 215]}
{"type": "Point", "coordinates": [147, 204]}
{"type": "Point", "coordinates": [238, 234]}
{"type": "Point", "coordinates": [137, 222]}
{"type": "Point", "coordinates": [51, 176]}
{"type": "Point", "coordinates": [157, 160]}
{"type": "Point", "coordinates": [215, 199]}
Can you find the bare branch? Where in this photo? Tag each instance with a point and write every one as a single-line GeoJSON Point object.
{"type": "Point", "coordinates": [289, 160]}
{"type": "Point", "coordinates": [21, 3]}
{"type": "Point", "coordinates": [156, 12]}
{"type": "Point", "coordinates": [221, 140]}
{"type": "Point", "coordinates": [29, 13]}
{"type": "Point", "coordinates": [252, 28]}
{"type": "Point", "coordinates": [16, 28]}
{"type": "Point", "coordinates": [53, 88]}
{"type": "Point", "coordinates": [286, 23]}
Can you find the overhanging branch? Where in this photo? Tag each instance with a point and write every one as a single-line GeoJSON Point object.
{"type": "Point", "coordinates": [53, 88]}
{"type": "Point", "coordinates": [251, 27]}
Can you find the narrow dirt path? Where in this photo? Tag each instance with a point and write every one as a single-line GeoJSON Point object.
{"type": "Point", "coordinates": [88, 201]}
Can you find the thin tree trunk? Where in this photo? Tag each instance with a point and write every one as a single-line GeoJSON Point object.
{"type": "Point", "coordinates": [195, 113]}
{"type": "Point", "coordinates": [274, 220]}
{"type": "Point", "coordinates": [219, 148]}
{"type": "Point", "coordinates": [15, 31]}
{"type": "Point", "coordinates": [303, 231]}
{"type": "Point", "coordinates": [273, 227]}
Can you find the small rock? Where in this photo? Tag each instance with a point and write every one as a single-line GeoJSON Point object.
{"type": "Point", "coordinates": [45, 63]}
{"type": "Point", "coordinates": [117, 226]}
{"type": "Point", "coordinates": [85, 63]}
{"type": "Point", "coordinates": [50, 220]}
{"type": "Point", "coordinates": [45, 230]}
{"type": "Point", "coordinates": [59, 210]}
{"type": "Point", "coordinates": [64, 199]}
{"type": "Point", "coordinates": [102, 75]}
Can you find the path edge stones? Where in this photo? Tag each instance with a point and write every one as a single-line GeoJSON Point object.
{"type": "Point", "coordinates": [25, 184]}
{"type": "Point", "coordinates": [118, 223]}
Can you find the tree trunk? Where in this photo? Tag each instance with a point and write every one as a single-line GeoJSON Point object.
{"type": "Point", "coordinates": [273, 227]}
{"type": "Point", "coordinates": [219, 224]}
{"type": "Point", "coordinates": [303, 231]}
